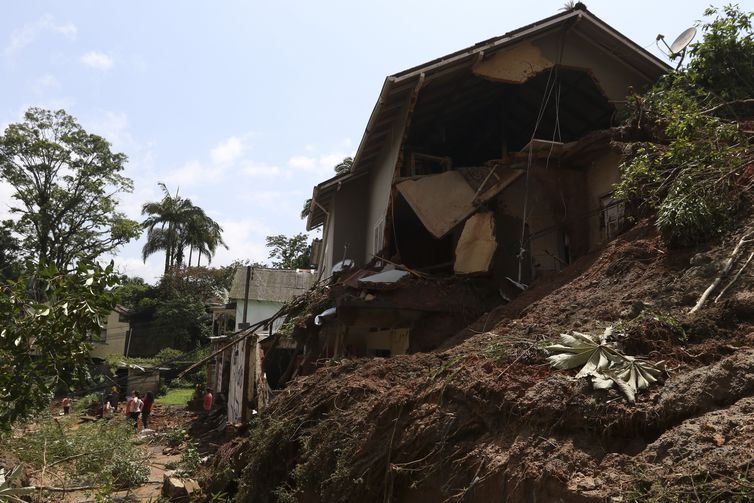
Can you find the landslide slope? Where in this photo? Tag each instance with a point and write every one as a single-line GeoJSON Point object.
{"type": "Point", "coordinates": [488, 419]}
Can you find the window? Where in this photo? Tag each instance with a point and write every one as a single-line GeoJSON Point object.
{"type": "Point", "coordinates": [379, 237]}
{"type": "Point", "coordinates": [613, 216]}
{"type": "Point", "coordinates": [423, 164]}
{"type": "Point", "coordinates": [103, 335]}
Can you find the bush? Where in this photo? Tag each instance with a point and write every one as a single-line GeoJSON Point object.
{"type": "Point", "coordinates": [690, 173]}
{"type": "Point", "coordinates": [83, 403]}
{"type": "Point", "coordinates": [167, 354]}
{"type": "Point", "coordinates": [101, 453]}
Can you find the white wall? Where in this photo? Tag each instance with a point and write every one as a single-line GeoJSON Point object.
{"type": "Point", "coordinates": [258, 310]}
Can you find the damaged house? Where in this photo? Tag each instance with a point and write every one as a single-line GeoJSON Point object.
{"type": "Point", "coordinates": [478, 172]}
{"type": "Point", "coordinates": [239, 373]}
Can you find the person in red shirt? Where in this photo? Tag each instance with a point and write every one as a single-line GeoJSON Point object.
{"type": "Point", "coordinates": [208, 399]}
{"type": "Point", "coordinates": [146, 409]}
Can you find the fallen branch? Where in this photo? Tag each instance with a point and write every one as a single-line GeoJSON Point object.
{"type": "Point", "coordinates": [738, 275]}
{"type": "Point", "coordinates": [747, 101]}
{"type": "Point", "coordinates": [723, 273]}
{"type": "Point", "coordinates": [64, 489]}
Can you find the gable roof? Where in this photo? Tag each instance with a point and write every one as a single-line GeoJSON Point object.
{"type": "Point", "coordinates": [274, 285]}
{"type": "Point", "coordinates": [397, 88]}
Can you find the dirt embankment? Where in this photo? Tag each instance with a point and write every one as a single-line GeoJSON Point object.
{"type": "Point", "coordinates": [489, 420]}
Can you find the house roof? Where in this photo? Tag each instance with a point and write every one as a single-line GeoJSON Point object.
{"type": "Point", "coordinates": [273, 285]}
{"type": "Point", "coordinates": [397, 88]}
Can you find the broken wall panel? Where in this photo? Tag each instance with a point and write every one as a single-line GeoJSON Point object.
{"type": "Point", "coordinates": [477, 245]}
{"type": "Point", "coordinates": [440, 201]}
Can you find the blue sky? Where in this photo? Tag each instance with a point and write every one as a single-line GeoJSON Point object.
{"type": "Point", "coordinates": [246, 105]}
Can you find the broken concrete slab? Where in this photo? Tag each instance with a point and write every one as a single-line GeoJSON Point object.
{"type": "Point", "coordinates": [440, 201]}
{"type": "Point", "coordinates": [476, 246]}
{"type": "Point", "coordinates": [385, 277]}
{"type": "Point", "coordinates": [177, 489]}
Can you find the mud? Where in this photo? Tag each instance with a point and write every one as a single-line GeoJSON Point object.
{"type": "Point", "coordinates": [486, 419]}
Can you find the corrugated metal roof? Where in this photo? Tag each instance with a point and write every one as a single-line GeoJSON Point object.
{"type": "Point", "coordinates": [275, 285]}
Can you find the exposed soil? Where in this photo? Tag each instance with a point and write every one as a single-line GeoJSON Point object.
{"type": "Point", "coordinates": [486, 418]}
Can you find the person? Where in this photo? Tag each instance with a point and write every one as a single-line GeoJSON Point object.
{"type": "Point", "coordinates": [107, 411]}
{"type": "Point", "coordinates": [112, 398]}
{"type": "Point", "coordinates": [207, 403]}
{"type": "Point", "coordinates": [133, 409]}
{"type": "Point", "coordinates": [146, 409]}
{"type": "Point", "coordinates": [66, 405]}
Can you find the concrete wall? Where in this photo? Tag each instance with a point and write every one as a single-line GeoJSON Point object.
{"type": "Point", "coordinates": [350, 233]}
{"type": "Point", "coordinates": [149, 380]}
{"type": "Point", "coordinates": [602, 174]}
{"type": "Point", "coordinates": [381, 181]}
{"type": "Point", "coordinates": [258, 310]}
{"type": "Point", "coordinates": [115, 332]}
{"type": "Point", "coordinates": [327, 241]}
{"type": "Point", "coordinates": [524, 60]}
{"type": "Point", "coordinates": [235, 387]}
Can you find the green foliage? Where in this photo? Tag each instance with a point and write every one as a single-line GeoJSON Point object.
{"type": "Point", "coordinates": [290, 253]}
{"type": "Point", "coordinates": [44, 345]}
{"type": "Point", "coordinates": [10, 251]}
{"type": "Point", "coordinates": [723, 62]}
{"type": "Point", "coordinates": [101, 453]}
{"type": "Point", "coordinates": [190, 459]}
{"type": "Point", "coordinates": [83, 403]}
{"type": "Point", "coordinates": [168, 354]}
{"type": "Point", "coordinates": [174, 224]}
{"type": "Point", "coordinates": [66, 183]}
{"type": "Point", "coordinates": [689, 173]}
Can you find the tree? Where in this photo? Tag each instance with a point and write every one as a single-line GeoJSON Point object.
{"type": "Point", "coordinates": [290, 253]}
{"type": "Point", "coordinates": [45, 346]}
{"type": "Point", "coordinates": [66, 184]}
{"type": "Point", "coordinates": [10, 250]}
{"type": "Point", "coordinates": [175, 223]}
{"type": "Point", "coordinates": [344, 166]}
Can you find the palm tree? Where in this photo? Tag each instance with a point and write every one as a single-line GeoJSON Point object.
{"type": "Point", "coordinates": [204, 235]}
{"type": "Point", "coordinates": [175, 223]}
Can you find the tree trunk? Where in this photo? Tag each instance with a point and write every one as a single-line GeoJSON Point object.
{"type": "Point", "coordinates": [191, 252]}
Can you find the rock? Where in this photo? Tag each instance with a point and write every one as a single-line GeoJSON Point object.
{"type": "Point", "coordinates": [633, 310]}
{"type": "Point", "coordinates": [174, 489]}
{"type": "Point", "coordinates": [177, 489]}
{"type": "Point", "coordinates": [700, 259]}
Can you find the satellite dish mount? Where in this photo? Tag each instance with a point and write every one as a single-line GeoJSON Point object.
{"type": "Point", "coordinates": [680, 44]}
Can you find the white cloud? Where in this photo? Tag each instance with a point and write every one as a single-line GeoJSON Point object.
{"type": "Point", "coordinates": [302, 162]}
{"type": "Point", "coordinates": [228, 151]}
{"type": "Point", "coordinates": [245, 240]}
{"type": "Point", "coordinates": [45, 83]}
{"type": "Point", "coordinates": [28, 33]}
{"type": "Point", "coordinates": [151, 270]}
{"type": "Point", "coordinates": [253, 169]}
{"type": "Point", "coordinates": [97, 60]}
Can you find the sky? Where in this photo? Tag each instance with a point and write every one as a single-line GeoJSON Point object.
{"type": "Point", "coordinates": [243, 106]}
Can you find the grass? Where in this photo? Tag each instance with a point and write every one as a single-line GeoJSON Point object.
{"type": "Point", "coordinates": [177, 396]}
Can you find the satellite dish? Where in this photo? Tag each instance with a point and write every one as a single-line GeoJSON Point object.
{"type": "Point", "coordinates": [679, 45]}
{"type": "Point", "coordinates": [683, 40]}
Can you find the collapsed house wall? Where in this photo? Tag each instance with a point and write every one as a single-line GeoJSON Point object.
{"type": "Point", "coordinates": [604, 223]}
{"type": "Point", "coordinates": [349, 237]}
{"type": "Point", "coordinates": [381, 185]}
{"type": "Point", "coordinates": [568, 49]}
